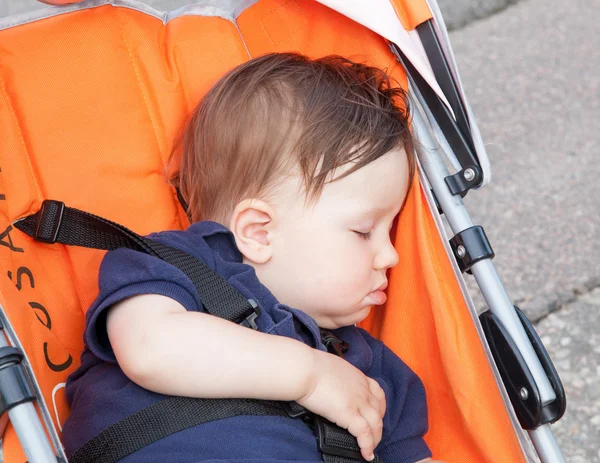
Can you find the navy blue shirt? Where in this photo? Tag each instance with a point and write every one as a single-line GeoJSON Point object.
{"type": "Point", "coordinates": [100, 394]}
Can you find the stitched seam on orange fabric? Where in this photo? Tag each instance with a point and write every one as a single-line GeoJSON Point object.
{"type": "Point", "coordinates": [237, 27]}
{"type": "Point", "coordinates": [138, 79]}
{"type": "Point", "coordinates": [147, 104]}
{"type": "Point", "coordinates": [270, 12]}
{"type": "Point", "coordinates": [23, 144]}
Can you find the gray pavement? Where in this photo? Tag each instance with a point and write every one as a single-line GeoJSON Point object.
{"type": "Point", "coordinates": [575, 349]}
{"type": "Point", "coordinates": [532, 75]}
{"type": "Point", "coordinates": [458, 13]}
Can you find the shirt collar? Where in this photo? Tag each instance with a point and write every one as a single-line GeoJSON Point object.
{"type": "Point", "coordinates": [219, 239]}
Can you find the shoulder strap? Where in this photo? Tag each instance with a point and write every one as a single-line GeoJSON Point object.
{"type": "Point", "coordinates": [56, 223]}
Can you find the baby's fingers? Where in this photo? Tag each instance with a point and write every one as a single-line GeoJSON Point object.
{"type": "Point", "coordinates": [375, 422]}
{"type": "Point", "coordinates": [359, 428]}
{"type": "Point", "coordinates": [379, 396]}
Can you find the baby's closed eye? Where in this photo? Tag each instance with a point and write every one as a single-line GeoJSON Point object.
{"type": "Point", "coordinates": [363, 234]}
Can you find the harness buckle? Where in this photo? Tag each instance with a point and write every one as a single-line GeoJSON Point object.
{"type": "Point", "coordinates": [49, 219]}
{"type": "Point", "coordinates": [295, 410]}
{"type": "Point", "coordinates": [334, 344]}
{"type": "Point", "coordinates": [332, 441]}
{"type": "Point", "coordinates": [249, 320]}
{"type": "Point", "coordinates": [335, 441]}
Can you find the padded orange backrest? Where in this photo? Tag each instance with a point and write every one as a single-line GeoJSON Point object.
{"type": "Point", "coordinates": [90, 104]}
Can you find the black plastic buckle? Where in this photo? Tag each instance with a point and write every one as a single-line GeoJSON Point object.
{"type": "Point", "coordinates": [250, 319]}
{"type": "Point", "coordinates": [295, 410]}
{"type": "Point", "coordinates": [333, 344]}
{"type": "Point", "coordinates": [518, 380]}
{"type": "Point", "coordinates": [329, 441]}
{"type": "Point", "coordinates": [49, 219]}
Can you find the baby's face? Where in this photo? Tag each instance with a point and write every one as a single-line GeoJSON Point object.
{"type": "Point", "coordinates": [330, 259]}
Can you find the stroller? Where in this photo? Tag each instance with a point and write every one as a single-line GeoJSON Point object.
{"type": "Point", "coordinates": [92, 95]}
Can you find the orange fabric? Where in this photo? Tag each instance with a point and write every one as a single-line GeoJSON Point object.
{"type": "Point", "coordinates": [411, 12]}
{"type": "Point", "coordinates": [313, 29]}
{"type": "Point", "coordinates": [90, 103]}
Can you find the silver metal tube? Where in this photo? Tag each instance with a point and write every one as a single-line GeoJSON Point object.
{"type": "Point", "coordinates": [32, 436]}
{"type": "Point", "coordinates": [30, 431]}
{"type": "Point", "coordinates": [545, 445]}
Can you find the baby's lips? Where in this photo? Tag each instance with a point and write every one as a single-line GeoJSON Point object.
{"type": "Point", "coordinates": [382, 286]}
{"type": "Point", "coordinates": [379, 297]}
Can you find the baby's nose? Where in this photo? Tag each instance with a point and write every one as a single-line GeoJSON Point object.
{"type": "Point", "coordinates": [386, 258]}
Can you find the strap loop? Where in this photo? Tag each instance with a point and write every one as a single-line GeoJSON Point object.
{"type": "Point", "coordinates": [48, 221]}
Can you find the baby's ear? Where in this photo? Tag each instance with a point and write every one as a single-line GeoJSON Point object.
{"type": "Point", "coordinates": [250, 224]}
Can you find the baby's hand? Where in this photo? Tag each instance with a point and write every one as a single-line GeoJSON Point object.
{"type": "Point", "coordinates": [345, 396]}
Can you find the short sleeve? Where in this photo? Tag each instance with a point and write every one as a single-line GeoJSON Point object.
{"type": "Point", "coordinates": [125, 273]}
{"type": "Point", "coordinates": [405, 422]}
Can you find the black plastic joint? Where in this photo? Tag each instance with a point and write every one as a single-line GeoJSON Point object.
{"type": "Point", "coordinates": [14, 388]}
{"type": "Point", "coordinates": [249, 320]}
{"type": "Point", "coordinates": [461, 182]}
{"type": "Point", "coordinates": [295, 410]}
{"type": "Point", "coordinates": [516, 376]}
{"type": "Point", "coordinates": [470, 246]}
{"type": "Point", "coordinates": [48, 221]}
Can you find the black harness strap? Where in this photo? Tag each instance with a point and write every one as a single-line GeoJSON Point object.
{"type": "Point", "coordinates": [56, 223]}
{"type": "Point", "coordinates": [163, 419]}
{"type": "Point", "coordinates": [176, 414]}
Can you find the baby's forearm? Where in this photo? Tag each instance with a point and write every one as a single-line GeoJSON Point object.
{"type": "Point", "coordinates": [166, 349]}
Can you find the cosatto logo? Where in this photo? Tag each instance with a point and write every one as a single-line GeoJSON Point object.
{"type": "Point", "coordinates": [24, 280]}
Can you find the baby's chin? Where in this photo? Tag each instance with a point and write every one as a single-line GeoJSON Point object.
{"type": "Point", "coordinates": [364, 313]}
{"type": "Point", "coordinates": [352, 319]}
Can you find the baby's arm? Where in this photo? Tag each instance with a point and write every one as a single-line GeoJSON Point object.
{"type": "Point", "coordinates": [164, 348]}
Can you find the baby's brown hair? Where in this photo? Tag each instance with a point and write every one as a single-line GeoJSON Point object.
{"type": "Point", "coordinates": [283, 112]}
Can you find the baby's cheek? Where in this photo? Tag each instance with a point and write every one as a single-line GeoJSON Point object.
{"type": "Point", "coordinates": [351, 281]}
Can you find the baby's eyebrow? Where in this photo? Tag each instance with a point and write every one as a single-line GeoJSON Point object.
{"type": "Point", "coordinates": [371, 212]}
{"type": "Point", "coordinates": [375, 210]}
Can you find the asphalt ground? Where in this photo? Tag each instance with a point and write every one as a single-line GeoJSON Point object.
{"type": "Point", "coordinates": [575, 350]}
{"type": "Point", "coordinates": [532, 74]}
